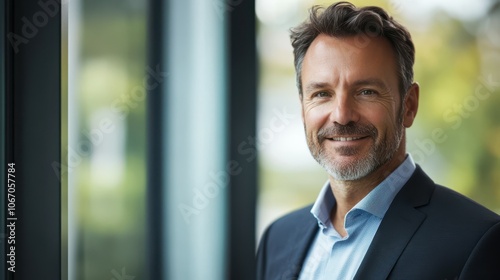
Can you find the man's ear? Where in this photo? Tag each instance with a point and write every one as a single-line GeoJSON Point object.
{"type": "Point", "coordinates": [411, 105]}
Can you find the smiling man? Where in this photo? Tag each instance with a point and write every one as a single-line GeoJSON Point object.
{"type": "Point", "coordinates": [379, 216]}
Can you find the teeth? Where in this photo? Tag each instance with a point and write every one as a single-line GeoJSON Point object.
{"type": "Point", "coordinates": [346, 138]}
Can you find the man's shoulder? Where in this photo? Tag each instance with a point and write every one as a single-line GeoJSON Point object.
{"type": "Point", "coordinates": [285, 243]}
{"type": "Point", "coordinates": [445, 203]}
{"type": "Point", "coordinates": [450, 214]}
{"type": "Point", "coordinates": [296, 218]}
{"type": "Point", "coordinates": [456, 205]}
{"type": "Point", "coordinates": [292, 226]}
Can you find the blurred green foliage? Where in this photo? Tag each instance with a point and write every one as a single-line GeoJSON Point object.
{"type": "Point", "coordinates": [111, 220]}
{"type": "Point", "coordinates": [460, 95]}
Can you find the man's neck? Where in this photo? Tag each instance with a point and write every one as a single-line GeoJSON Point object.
{"type": "Point", "coordinates": [349, 193]}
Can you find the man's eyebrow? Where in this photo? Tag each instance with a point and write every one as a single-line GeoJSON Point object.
{"type": "Point", "coordinates": [314, 86]}
{"type": "Point", "coordinates": [363, 82]}
{"type": "Point", "coordinates": [370, 81]}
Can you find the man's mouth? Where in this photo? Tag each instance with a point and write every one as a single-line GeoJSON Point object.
{"type": "Point", "coordinates": [352, 138]}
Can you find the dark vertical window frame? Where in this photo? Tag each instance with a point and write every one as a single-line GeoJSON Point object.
{"type": "Point", "coordinates": [156, 42]}
{"type": "Point", "coordinates": [64, 140]}
{"type": "Point", "coordinates": [9, 107]}
{"type": "Point", "coordinates": [242, 79]}
{"type": "Point", "coordinates": [33, 98]}
{"type": "Point", "coordinates": [3, 192]}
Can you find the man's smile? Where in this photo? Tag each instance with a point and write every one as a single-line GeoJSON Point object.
{"type": "Point", "coordinates": [344, 139]}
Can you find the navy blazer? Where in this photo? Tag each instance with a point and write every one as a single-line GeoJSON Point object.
{"type": "Point", "coordinates": [428, 232]}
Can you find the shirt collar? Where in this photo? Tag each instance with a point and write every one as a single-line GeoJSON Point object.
{"type": "Point", "coordinates": [323, 205]}
{"type": "Point", "coordinates": [376, 202]}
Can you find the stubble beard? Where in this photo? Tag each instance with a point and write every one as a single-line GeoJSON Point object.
{"type": "Point", "coordinates": [354, 169]}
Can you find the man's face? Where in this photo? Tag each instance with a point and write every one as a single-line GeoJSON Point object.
{"type": "Point", "coordinates": [351, 106]}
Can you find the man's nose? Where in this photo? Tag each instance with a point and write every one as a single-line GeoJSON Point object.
{"type": "Point", "coordinates": [344, 110]}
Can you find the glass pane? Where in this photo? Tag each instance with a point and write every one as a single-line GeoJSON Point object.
{"type": "Point", "coordinates": [194, 152]}
{"type": "Point", "coordinates": [106, 153]}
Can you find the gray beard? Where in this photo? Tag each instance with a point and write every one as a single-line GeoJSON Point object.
{"type": "Point", "coordinates": [358, 169]}
{"type": "Point", "coordinates": [379, 154]}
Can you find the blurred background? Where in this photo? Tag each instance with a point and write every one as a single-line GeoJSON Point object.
{"type": "Point", "coordinates": [457, 58]}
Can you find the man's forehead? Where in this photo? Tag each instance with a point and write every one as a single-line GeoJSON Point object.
{"type": "Point", "coordinates": [352, 44]}
{"type": "Point", "coordinates": [333, 56]}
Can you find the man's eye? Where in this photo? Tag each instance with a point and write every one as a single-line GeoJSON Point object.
{"type": "Point", "coordinates": [367, 92]}
{"type": "Point", "coordinates": [322, 94]}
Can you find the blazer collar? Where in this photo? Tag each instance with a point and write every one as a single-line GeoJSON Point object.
{"type": "Point", "coordinates": [401, 218]}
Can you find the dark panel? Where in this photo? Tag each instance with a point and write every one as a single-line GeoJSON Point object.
{"type": "Point", "coordinates": [155, 143]}
{"type": "Point", "coordinates": [242, 73]}
{"type": "Point", "coordinates": [3, 192]}
{"type": "Point", "coordinates": [33, 142]}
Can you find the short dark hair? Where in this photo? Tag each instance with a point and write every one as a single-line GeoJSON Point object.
{"type": "Point", "coordinates": [343, 19]}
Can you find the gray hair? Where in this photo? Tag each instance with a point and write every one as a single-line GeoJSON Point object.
{"type": "Point", "coordinates": [343, 19]}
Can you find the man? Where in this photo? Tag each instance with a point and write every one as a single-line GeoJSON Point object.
{"type": "Point", "coordinates": [379, 216]}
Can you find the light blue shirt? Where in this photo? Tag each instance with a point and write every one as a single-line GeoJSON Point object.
{"type": "Point", "coordinates": [334, 257]}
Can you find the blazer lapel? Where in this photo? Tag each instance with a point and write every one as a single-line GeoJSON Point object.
{"type": "Point", "coordinates": [304, 235]}
{"type": "Point", "coordinates": [397, 227]}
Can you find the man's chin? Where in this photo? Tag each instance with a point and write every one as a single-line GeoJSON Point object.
{"type": "Point", "coordinates": [349, 176]}
{"type": "Point", "coordinates": [349, 168]}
